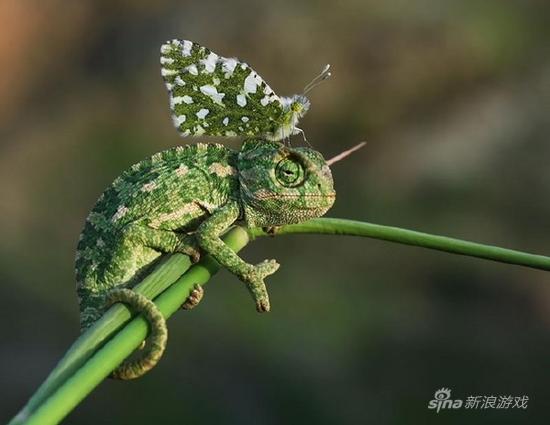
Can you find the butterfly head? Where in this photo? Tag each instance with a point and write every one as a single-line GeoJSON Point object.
{"type": "Point", "coordinates": [299, 105]}
{"type": "Point", "coordinates": [282, 185]}
{"type": "Point", "coordinates": [294, 108]}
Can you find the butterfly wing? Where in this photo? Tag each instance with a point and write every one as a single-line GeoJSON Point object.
{"type": "Point", "coordinates": [217, 96]}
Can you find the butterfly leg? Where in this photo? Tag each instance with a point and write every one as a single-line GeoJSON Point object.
{"type": "Point", "coordinates": [303, 133]}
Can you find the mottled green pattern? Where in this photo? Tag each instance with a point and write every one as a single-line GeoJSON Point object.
{"type": "Point", "coordinates": [183, 200]}
{"type": "Point", "coordinates": [281, 185]}
{"type": "Point", "coordinates": [213, 95]}
{"type": "Point", "coordinates": [144, 212]}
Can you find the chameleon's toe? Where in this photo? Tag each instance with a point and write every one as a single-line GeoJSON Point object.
{"type": "Point", "coordinates": [266, 268]}
{"type": "Point", "coordinates": [270, 230]}
{"type": "Point", "coordinates": [192, 252]}
{"type": "Point", "coordinates": [194, 298]}
{"type": "Point", "coordinates": [263, 306]}
{"type": "Point", "coordinates": [195, 255]}
{"type": "Point", "coordinates": [188, 246]}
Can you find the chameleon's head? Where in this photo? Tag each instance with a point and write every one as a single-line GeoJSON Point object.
{"type": "Point", "coordinates": [283, 185]}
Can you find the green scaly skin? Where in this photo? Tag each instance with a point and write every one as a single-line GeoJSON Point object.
{"type": "Point", "coordinates": [183, 200]}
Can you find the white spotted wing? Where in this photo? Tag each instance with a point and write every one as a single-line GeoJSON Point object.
{"type": "Point", "coordinates": [218, 96]}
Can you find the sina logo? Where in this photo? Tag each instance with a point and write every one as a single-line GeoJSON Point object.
{"type": "Point", "coordinates": [442, 400]}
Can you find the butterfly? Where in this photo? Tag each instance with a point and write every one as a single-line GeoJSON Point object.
{"type": "Point", "coordinates": [218, 96]}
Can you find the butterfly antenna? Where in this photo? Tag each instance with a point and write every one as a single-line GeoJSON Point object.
{"type": "Point", "coordinates": [325, 73]}
{"type": "Point", "coordinates": [342, 155]}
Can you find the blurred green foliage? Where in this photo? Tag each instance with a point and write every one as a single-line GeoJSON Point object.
{"type": "Point", "coordinates": [452, 97]}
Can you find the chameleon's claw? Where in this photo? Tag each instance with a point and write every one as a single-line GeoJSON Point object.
{"type": "Point", "coordinates": [263, 306]}
{"type": "Point", "coordinates": [266, 268]}
{"type": "Point", "coordinates": [195, 256]}
{"type": "Point", "coordinates": [188, 246]}
{"type": "Point", "coordinates": [194, 298]}
{"type": "Point", "coordinates": [271, 230]}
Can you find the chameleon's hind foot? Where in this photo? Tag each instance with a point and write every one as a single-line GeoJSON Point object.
{"type": "Point", "coordinates": [194, 298]}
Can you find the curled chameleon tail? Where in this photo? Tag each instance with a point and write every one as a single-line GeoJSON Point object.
{"type": "Point", "coordinates": [132, 369]}
{"type": "Point", "coordinates": [157, 339]}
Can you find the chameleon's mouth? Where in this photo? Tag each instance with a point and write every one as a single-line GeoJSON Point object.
{"type": "Point", "coordinates": [263, 196]}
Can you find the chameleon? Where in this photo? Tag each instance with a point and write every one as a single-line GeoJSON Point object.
{"type": "Point", "coordinates": [182, 200]}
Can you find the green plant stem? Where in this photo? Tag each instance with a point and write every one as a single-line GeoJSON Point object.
{"type": "Point", "coordinates": [336, 226]}
{"type": "Point", "coordinates": [160, 279]}
{"type": "Point", "coordinates": [97, 352]}
{"type": "Point", "coordinates": [109, 356]}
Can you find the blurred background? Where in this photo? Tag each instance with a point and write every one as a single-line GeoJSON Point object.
{"type": "Point", "coordinates": [453, 99]}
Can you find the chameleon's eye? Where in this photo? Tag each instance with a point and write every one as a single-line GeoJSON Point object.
{"type": "Point", "coordinates": [290, 172]}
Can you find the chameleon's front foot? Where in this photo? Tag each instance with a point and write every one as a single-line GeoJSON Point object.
{"type": "Point", "coordinates": [254, 279]}
{"type": "Point", "coordinates": [188, 246]}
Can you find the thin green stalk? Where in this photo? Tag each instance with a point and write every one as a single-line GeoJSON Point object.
{"type": "Point", "coordinates": [94, 355]}
{"type": "Point", "coordinates": [99, 366]}
{"type": "Point", "coordinates": [336, 226]}
{"type": "Point", "coordinates": [160, 279]}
